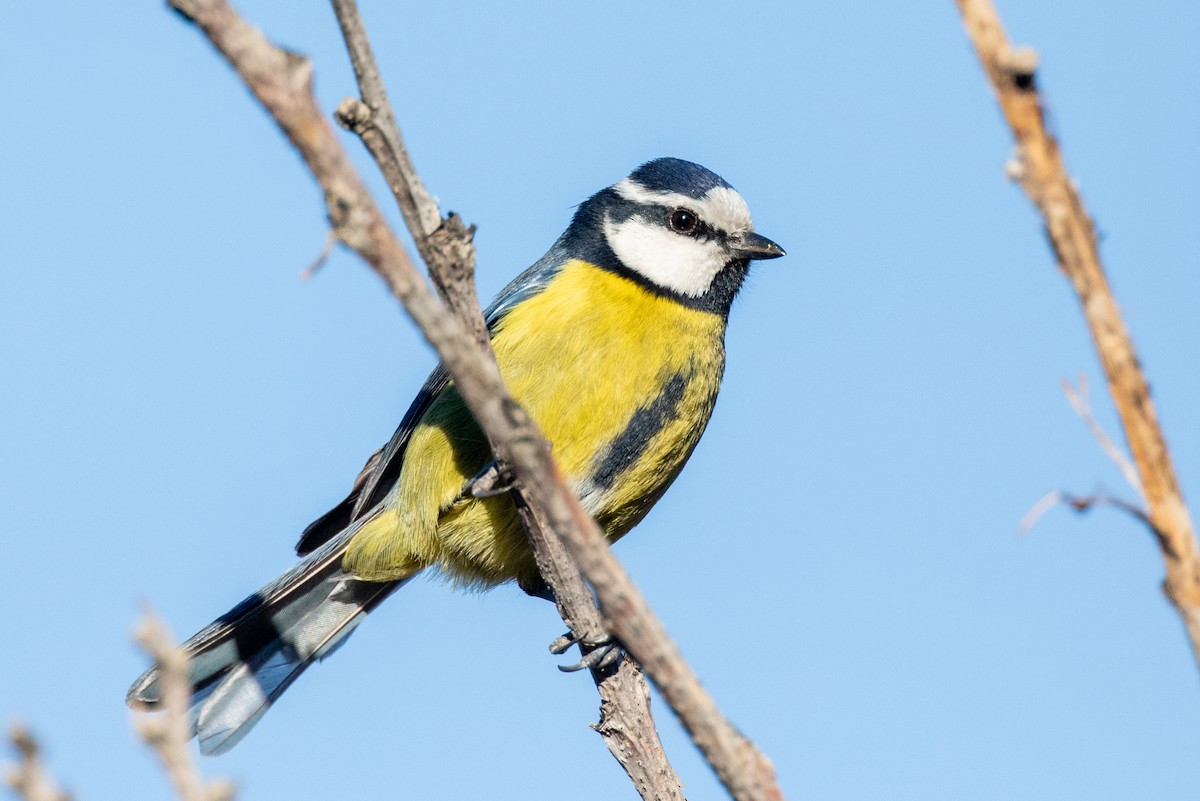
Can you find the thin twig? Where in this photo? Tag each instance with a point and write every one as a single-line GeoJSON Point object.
{"type": "Point", "coordinates": [331, 241]}
{"type": "Point", "coordinates": [626, 722]}
{"type": "Point", "coordinates": [1085, 503]}
{"type": "Point", "coordinates": [29, 778]}
{"type": "Point", "coordinates": [282, 82]}
{"type": "Point", "coordinates": [168, 732]}
{"type": "Point", "coordinates": [1081, 504]}
{"type": "Point", "coordinates": [1038, 510]}
{"type": "Point", "coordinates": [1078, 398]}
{"type": "Point", "coordinates": [1043, 176]}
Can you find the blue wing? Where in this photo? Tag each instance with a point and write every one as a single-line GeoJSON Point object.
{"type": "Point", "coordinates": [527, 284]}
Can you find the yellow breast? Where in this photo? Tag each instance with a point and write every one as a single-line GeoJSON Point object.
{"type": "Point", "coordinates": [621, 380]}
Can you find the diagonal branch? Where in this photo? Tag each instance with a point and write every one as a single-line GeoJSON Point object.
{"type": "Point", "coordinates": [1042, 175]}
{"type": "Point", "coordinates": [282, 83]}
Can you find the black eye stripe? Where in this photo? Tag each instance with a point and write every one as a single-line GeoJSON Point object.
{"type": "Point", "coordinates": [655, 214]}
{"type": "Point", "coordinates": [704, 231]}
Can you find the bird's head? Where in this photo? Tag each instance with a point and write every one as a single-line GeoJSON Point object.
{"type": "Point", "coordinates": [678, 228]}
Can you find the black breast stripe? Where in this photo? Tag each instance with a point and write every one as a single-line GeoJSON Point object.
{"type": "Point", "coordinates": [645, 423]}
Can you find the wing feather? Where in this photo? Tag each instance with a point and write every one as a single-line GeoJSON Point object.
{"type": "Point", "coordinates": [382, 470]}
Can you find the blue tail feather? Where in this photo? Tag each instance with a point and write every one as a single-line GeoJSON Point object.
{"type": "Point", "coordinates": [242, 662]}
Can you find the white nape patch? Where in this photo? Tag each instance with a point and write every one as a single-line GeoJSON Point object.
{"type": "Point", "coordinates": [721, 207]}
{"type": "Point", "coordinates": [670, 260]}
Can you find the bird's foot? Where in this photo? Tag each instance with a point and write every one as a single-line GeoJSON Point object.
{"type": "Point", "coordinates": [599, 653]}
{"type": "Point", "coordinates": [494, 479]}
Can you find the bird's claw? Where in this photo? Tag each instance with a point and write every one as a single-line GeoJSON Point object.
{"type": "Point", "coordinates": [602, 652]}
{"type": "Point", "coordinates": [494, 479]}
{"type": "Point", "coordinates": [602, 657]}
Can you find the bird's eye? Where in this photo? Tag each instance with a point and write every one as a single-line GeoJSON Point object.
{"type": "Point", "coordinates": [683, 221]}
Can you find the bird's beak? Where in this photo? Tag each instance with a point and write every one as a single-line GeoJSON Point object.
{"type": "Point", "coordinates": [755, 246]}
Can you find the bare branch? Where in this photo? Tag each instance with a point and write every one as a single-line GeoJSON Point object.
{"type": "Point", "coordinates": [29, 778]}
{"type": "Point", "coordinates": [1042, 175]}
{"type": "Point", "coordinates": [281, 81]}
{"type": "Point", "coordinates": [379, 128]}
{"type": "Point", "coordinates": [168, 733]}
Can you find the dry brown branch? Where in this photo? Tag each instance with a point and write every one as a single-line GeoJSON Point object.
{"type": "Point", "coordinates": [168, 733]}
{"type": "Point", "coordinates": [29, 778]}
{"type": "Point", "coordinates": [1042, 175]}
{"type": "Point", "coordinates": [282, 82]}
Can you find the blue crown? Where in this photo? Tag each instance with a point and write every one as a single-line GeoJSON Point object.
{"type": "Point", "coordinates": [677, 175]}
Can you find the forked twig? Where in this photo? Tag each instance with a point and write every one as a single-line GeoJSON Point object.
{"type": "Point", "coordinates": [1078, 398]}
{"type": "Point", "coordinates": [1081, 503]}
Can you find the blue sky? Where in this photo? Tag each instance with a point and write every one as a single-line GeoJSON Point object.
{"type": "Point", "coordinates": [840, 561]}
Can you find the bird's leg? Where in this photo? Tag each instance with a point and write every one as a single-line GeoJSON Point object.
{"type": "Point", "coordinates": [537, 587]}
{"type": "Point", "coordinates": [601, 652]}
{"type": "Point", "coordinates": [598, 653]}
{"type": "Point", "coordinates": [494, 479]}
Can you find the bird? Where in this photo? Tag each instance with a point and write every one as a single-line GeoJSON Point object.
{"type": "Point", "coordinates": [614, 341]}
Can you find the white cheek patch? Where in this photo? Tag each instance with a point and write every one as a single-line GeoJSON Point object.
{"type": "Point", "coordinates": [720, 207]}
{"type": "Point", "coordinates": [670, 260]}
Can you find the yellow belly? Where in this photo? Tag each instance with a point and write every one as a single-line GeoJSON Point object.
{"type": "Point", "coordinates": [620, 380]}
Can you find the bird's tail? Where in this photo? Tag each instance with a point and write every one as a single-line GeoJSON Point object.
{"type": "Point", "coordinates": [245, 659]}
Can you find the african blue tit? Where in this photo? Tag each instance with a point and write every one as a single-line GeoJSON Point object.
{"type": "Point", "coordinates": [613, 341]}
